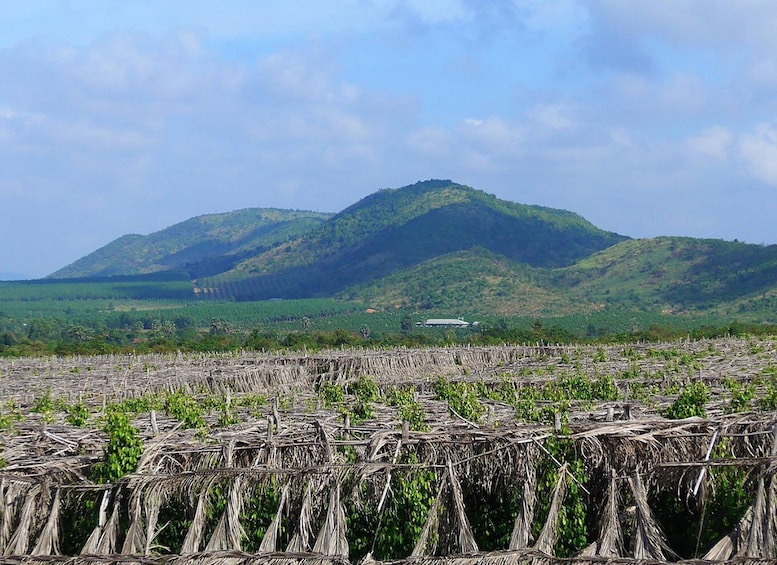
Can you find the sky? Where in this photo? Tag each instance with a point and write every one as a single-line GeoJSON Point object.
{"type": "Point", "coordinates": [647, 118]}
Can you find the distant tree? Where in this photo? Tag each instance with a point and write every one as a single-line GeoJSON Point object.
{"type": "Point", "coordinates": [79, 333]}
{"type": "Point", "coordinates": [42, 330]}
{"type": "Point", "coordinates": [8, 339]}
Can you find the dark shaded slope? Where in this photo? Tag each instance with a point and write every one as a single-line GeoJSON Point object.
{"type": "Point", "coordinates": [394, 230]}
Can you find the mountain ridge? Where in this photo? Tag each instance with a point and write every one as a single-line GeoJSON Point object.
{"type": "Point", "coordinates": [437, 244]}
{"type": "Point", "coordinates": [223, 237]}
{"type": "Point", "coordinates": [397, 228]}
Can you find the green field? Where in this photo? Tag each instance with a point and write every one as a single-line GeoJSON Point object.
{"type": "Point", "coordinates": [161, 313]}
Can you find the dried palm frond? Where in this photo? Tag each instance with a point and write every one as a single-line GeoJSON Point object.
{"type": "Point", "coordinates": [422, 547]}
{"type": "Point", "coordinates": [20, 540]}
{"type": "Point", "coordinates": [301, 541]}
{"type": "Point", "coordinates": [270, 536]}
{"type": "Point", "coordinates": [110, 534]}
{"type": "Point", "coordinates": [229, 532]}
{"type": "Point", "coordinates": [13, 493]}
{"type": "Point", "coordinates": [193, 539]}
{"type": "Point", "coordinates": [770, 544]}
{"type": "Point", "coordinates": [549, 534]}
{"type": "Point", "coordinates": [134, 540]}
{"type": "Point", "coordinates": [649, 540]}
{"type": "Point", "coordinates": [521, 534]}
{"type": "Point", "coordinates": [610, 542]}
{"type": "Point", "coordinates": [331, 538]}
{"type": "Point", "coordinates": [754, 543]}
{"type": "Point", "coordinates": [90, 547]}
{"type": "Point", "coordinates": [152, 503]}
{"type": "Point", "coordinates": [728, 546]}
{"type": "Point", "coordinates": [326, 442]}
{"type": "Point", "coordinates": [466, 540]}
{"type": "Point", "coordinates": [48, 540]}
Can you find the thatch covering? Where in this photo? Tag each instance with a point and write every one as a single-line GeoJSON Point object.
{"type": "Point", "coordinates": [318, 461]}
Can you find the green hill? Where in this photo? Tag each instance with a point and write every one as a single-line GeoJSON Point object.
{"type": "Point", "coordinates": [202, 246]}
{"type": "Point", "coordinates": [392, 230]}
{"type": "Point", "coordinates": [476, 280]}
{"type": "Point", "coordinates": [678, 274]}
{"type": "Point", "coordinates": [447, 247]}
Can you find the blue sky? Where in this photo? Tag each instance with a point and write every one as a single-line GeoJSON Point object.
{"type": "Point", "coordinates": [647, 118]}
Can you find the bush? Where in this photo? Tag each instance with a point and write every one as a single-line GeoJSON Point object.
{"type": "Point", "coordinates": [690, 402]}
{"type": "Point", "coordinates": [185, 409]}
{"type": "Point", "coordinates": [123, 450]}
{"type": "Point", "coordinates": [462, 398]}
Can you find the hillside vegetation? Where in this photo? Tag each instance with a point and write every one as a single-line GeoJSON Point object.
{"type": "Point", "coordinates": [396, 229]}
{"type": "Point", "coordinates": [502, 287]}
{"type": "Point", "coordinates": [444, 247]}
{"type": "Point", "coordinates": [678, 274]}
{"type": "Point", "coordinates": [202, 246]}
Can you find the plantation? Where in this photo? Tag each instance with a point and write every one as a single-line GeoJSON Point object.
{"type": "Point", "coordinates": [639, 452]}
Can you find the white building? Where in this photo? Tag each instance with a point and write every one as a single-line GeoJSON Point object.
{"type": "Point", "coordinates": [444, 323]}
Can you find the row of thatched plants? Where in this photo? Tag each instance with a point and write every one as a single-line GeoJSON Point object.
{"type": "Point", "coordinates": [569, 457]}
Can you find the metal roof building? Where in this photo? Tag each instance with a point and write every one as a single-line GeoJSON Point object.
{"type": "Point", "coordinates": [444, 322]}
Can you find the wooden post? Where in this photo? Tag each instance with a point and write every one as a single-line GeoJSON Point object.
{"type": "Point", "coordinates": [405, 431]}
{"type": "Point", "coordinates": [270, 443]}
{"type": "Point", "coordinates": [276, 414]}
{"type": "Point", "coordinates": [154, 426]}
{"type": "Point", "coordinates": [610, 413]}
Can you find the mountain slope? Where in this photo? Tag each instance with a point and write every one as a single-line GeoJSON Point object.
{"type": "Point", "coordinates": [396, 229]}
{"type": "Point", "coordinates": [204, 245]}
{"type": "Point", "coordinates": [437, 244]}
{"type": "Point", "coordinates": [676, 274]}
{"type": "Point", "coordinates": [476, 280]}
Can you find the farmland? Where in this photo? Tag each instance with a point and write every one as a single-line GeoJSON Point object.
{"type": "Point", "coordinates": [573, 454]}
{"type": "Point", "coordinates": [161, 313]}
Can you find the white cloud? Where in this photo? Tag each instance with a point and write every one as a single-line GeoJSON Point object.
{"type": "Point", "coordinates": [759, 151]}
{"type": "Point", "coordinates": [715, 142]}
{"type": "Point", "coordinates": [430, 141]}
{"type": "Point", "coordinates": [553, 116]}
{"type": "Point", "coordinates": [494, 135]}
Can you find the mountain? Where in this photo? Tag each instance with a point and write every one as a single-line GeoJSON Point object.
{"type": "Point", "coordinates": [444, 246]}
{"type": "Point", "coordinates": [678, 274]}
{"type": "Point", "coordinates": [202, 246]}
{"type": "Point", "coordinates": [395, 229]}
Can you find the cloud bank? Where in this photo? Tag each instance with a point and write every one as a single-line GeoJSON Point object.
{"type": "Point", "coordinates": [123, 118]}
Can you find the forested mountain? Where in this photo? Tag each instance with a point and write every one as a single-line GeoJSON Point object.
{"type": "Point", "coordinates": [669, 275]}
{"type": "Point", "coordinates": [678, 274]}
{"type": "Point", "coordinates": [202, 246]}
{"type": "Point", "coordinates": [437, 244]}
{"type": "Point", "coordinates": [394, 229]}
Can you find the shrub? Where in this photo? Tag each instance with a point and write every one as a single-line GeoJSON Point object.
{"type": "Point", "coordinates": [185, 409]}
{"type": "Point", "coordinates": [331, 394]}
{"type": "Point", "coordinates": [462, 399]}
{"type": "Point", "coordinates": [690, 402]}
{"type": "Point", "coordinates": [123, 451]}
